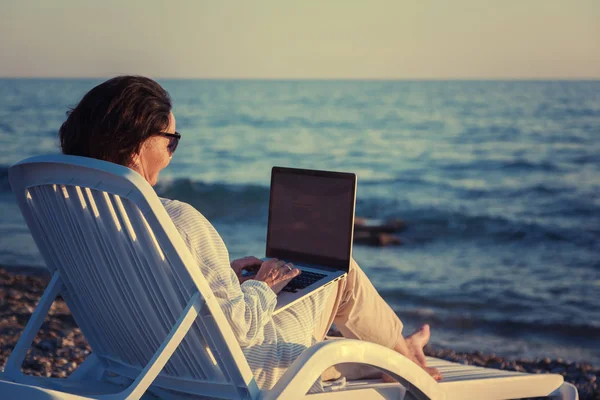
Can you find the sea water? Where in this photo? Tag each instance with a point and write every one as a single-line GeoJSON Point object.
{"type": "Point", "coordinates": [498, 183]}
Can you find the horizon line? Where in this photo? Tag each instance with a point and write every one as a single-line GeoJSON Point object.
{"type": "Point", "coordinates": [385, 79]}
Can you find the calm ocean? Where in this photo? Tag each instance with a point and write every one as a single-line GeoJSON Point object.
{"type": "Point", "coordinates": [498, 182]}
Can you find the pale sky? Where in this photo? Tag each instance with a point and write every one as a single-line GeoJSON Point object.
{"type": "Point", "coordinates": [302, 39]}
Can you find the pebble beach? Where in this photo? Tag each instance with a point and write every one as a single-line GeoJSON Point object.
{"type": "Point", "coordinates": [60, 345]}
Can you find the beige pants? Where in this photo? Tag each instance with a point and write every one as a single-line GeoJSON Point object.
{"type": "Point", "coordinates": [358, 312]}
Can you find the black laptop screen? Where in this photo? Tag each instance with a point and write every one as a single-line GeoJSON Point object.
{"type": "Point", "coordinates": [310, 216]}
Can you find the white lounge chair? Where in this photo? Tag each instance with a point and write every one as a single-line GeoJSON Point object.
{"type": "Point", "coordinates": [156, 330]}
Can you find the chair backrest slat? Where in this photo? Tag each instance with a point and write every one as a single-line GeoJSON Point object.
{"type": "Point", "coordinates": [44, 205]}
{"type": "Point", "coordinates": [126, 272]}
{"type": "Point", "coordinates": [149, 253]}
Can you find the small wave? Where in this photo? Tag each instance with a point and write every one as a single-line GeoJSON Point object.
{"type": "Point", "coordinates": [518, 165]}
{"type": "Point", "coordinates": [468, 188]}
{"type": "Point", "coordinates": [6, 128]}
{"type": "Point", "coordinates": [528, 165]}
{"type": "Point", "coordinates": [591, 159]}
{"type": "Point", "coordinates": [220, 201]}
{"type": "Point", "coordinates": [556, 112]}
{"type": "Point", "coordinates": [429, 224]}
{"type": "Point", "coordinates": [538, 189]}
{"type": "Point", "coordinates": [286, 123]}
{"type": "Point", "coordinates": [499, 133]}
{"type": "Point", "coordinates": [503, 326]}
{"type": "Point", "coordinates": [467, 299]}
{"type": "Point", "coordinates": [405, 179]}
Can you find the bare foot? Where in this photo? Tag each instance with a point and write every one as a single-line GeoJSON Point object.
{"type": "Point", "coordinates": [416, 342]}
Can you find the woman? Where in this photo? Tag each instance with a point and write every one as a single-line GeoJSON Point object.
{"type": "Point", "coordinates": [128, 120]}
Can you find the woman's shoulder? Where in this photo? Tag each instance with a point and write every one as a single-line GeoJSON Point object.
{"type": "Point", "coordinates": [176, 205]}
{"type": "Point", "coordinates": [180, 211]}
{"type": "Point", "coordinates": [192, 224]}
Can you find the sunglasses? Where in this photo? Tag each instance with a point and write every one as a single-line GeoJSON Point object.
{"type": "Point", "coordinates": [173, 140]}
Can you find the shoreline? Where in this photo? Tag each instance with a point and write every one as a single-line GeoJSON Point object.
{"type": "Point", "coordinates": [60, 346]}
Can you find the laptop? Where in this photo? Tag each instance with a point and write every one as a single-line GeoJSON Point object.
{"type": "Point", "coordinates": [311, 224]}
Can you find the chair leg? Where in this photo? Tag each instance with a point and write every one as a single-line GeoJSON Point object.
{"type": "Point", "coordinates": [90, 369]}
{"type": "Point", "coordinates": [12, 370]}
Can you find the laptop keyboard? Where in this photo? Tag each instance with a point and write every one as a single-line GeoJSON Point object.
{"type": "Point", "coordinates": [303, 280]}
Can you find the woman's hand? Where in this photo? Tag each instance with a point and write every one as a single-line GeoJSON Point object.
{"type": "Point", "coordinates": [248, 263]}
{"type": "Point", "coordinates": [276, 273]}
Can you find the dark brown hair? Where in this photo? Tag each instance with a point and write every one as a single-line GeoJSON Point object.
{"type": "Point", "coordinates": [113, 119]}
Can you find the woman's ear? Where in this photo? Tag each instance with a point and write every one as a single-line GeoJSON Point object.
{"type": "Point", "coordinates": [135, 161]}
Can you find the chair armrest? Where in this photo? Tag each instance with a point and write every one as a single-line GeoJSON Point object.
{"type": "Point", "coordinates": [309, 366]}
